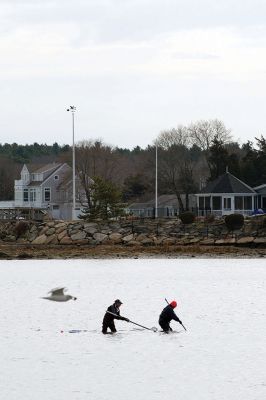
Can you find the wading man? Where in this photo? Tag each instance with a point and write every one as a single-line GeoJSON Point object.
{"type": "Point", "coordinates": [167, 315]}
{"type": "Point", "coordinates": [111, 314]}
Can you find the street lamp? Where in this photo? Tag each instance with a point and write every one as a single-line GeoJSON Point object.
{"type": "Point", "coordinates": [72, 109]}
{"type": "Point", "coordinates": [156, 180]}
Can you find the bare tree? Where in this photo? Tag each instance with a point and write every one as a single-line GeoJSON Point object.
{"type": "Point", "coordinates": [94, 159]}
{"type": "Point", "coordinates": [203, 132]}
{"type": "Point", "coordinates": [179, 136]}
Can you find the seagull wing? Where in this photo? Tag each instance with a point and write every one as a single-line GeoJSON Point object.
{"type": "Point", "coordinates": [57, 291]}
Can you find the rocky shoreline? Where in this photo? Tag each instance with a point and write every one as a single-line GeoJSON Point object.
{"type": "Point", "coordinates": [131, 239]}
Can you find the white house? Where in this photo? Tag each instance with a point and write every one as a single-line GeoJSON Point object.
{"type": "Point", "coordinates": [227, 195]}
{"type": "Point", "coordinates": [47, 187]}
{"type": "Point", "coordinates": [261, 190]}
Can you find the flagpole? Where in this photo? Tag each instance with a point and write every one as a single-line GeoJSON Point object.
{"type": "Point", "coordinates": [156, 180]}
{"type": "Point", "coordinates": [72, 109]}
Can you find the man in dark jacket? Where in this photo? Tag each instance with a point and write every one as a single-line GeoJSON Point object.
{"type": "Point", "coordinates": [167, 315]}
{"type": "Point", "coordinates": [108, 319]}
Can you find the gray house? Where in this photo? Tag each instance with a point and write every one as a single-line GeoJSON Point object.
{"type": "Point", "coordinates": [167, 206]}
{"type": "Point", "coordinates": [227, 195]}
{"type": "Point", "coordinates": [261, 190]}
{"type": "Point", "coordinates": [47, 187]}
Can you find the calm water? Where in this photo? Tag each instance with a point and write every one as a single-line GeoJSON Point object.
{"type": "Point", "coordinates": [221, 357]}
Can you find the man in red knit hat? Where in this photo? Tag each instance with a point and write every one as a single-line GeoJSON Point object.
{"type": "Point", "coordinates": [167, 315]}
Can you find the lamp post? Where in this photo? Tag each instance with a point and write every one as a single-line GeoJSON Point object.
{"type": "Point", "coordinates": [72, 109]}
{"type": "Point", "coordinates": [156, 180]}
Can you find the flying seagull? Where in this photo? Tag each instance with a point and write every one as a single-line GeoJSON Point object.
{"type": "Point", "coordinates": [58, 294]}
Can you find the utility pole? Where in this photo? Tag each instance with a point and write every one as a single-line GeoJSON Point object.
{"type": "Point", "coordinates": [72, 109]}
{"type": "Point", "coordinates": [156, 180]}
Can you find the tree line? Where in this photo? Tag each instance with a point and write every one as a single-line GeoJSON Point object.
{"type": "Point", "coordinates": [188, 157]}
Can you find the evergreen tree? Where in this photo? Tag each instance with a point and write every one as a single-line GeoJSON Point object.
{"type": "Point", "coordinates": [217, 159]}
{"type": "Point", "coordinates": [105, 201]}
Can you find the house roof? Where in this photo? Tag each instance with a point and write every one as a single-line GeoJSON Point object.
{"type": "Point", "coordinates": [35, 183]}
{"type": "Point", "coordinates": [227, 183]}
{"type": "Point", "coordinates": [163, 201]}
{"type": "Point", "coordinates": [260, 187]}
{"type": "Point", "coordinates": [45, 167]}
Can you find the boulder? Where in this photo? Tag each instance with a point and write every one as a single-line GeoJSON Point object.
{"type": "Point", "coordinates": [207, 242]}
{"type": "Point", "coordinates": [246, 240]}
{"type": "Point", "coordinates": [169, 241]}
{"type": "Point", "coordinates": [194, 241]}
{"type": "Point", "coordinates": [147, 242]}
{"type": "Point", "coordinates": [91, 227]}
{"type": "Point", "coordinates": [52, 239]}
{"type": "Point", "coordinates": [128, 238]}
{"type": "Point", "coordinates": [50, 231]}
{"type": "Point", "coordinates": [60, 225]}
{"type": "Point", "coordinates": [61, 235]}
{"type": "Point", "coordinates": [78, 236]}
{"type": "Point", "coordinates": [115, 237]}
{"type": "Point", "coordinates": [100, 237]}
{"type": "Point", "coordinates": [66, 240]}
{"type": "Point", "coordinates": [141, 237]}
{"type": "Point", "coordinates": [40, 240]}
{"type": "Point", "coordinates": [260, 240]}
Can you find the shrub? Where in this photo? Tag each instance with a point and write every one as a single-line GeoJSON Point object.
{"type": "Point", "coordinates": [20, 228]}
{"type": "Point", "coordinates": [234, 221]}
{"type": "Point", "coordinates": [187, 217]}
{"type": "Point", "coordinates": [209, 218]}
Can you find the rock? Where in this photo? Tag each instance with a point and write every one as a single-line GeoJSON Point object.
{"type": "Point", "coordinates": [78, 236]}
{"type": "Point", "coordinates": [100, 237]}
{"type": "Point", "coordinates": [260, 240]}
{"type": "Point", "coordinates": [246, 240]}
{"type": "Point", "coordinates": [62, 228]}
{"type": "Point", "coordinates": [61, 235]}
{"type": "Point", "coordinates": [81, 242]}
{"type": "Point", "coordinates": [141, 237]}
{"type": "Point", "coordinates": [40, 240]}
{"type": "Point", "coordinates": [229, 241]}
{"type": "Point", "coordinates": [66, 240]}
{"type": "Point", "coordinates": [128, 238]}
{"type": "Point", "coordinates": [133, 243]}
{"type": "Point", "coordinates": [207, 242]}
{"type": "Point", "coordinates": [91, 227]}
{"type": "Point", "coordinates": [140, 229]}
{"type": "Point", "coordinates": [43, 230]}
{"type": "Point", "coordinates": [50, 231]}
{"type": "Point", "coordinates": [169, 241]}
{"type": "Point", "coordinates": [52, 239]}
{"type": "Point", "coordinates": [194, 241]}
{"type": "Point", "coordinates": [60, 225]}
{"type": "Point", "coordinates": [147, 242]}
{"type": "Point", "coordinates": [115, 237]}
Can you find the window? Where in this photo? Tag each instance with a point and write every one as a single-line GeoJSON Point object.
{"type": "Point", "coordinates": [47, 194]}
{"type": "Point", "coordinates": [239, 204]}
{"type": "Point", "coordinates": [56, 177]}
{"type": "Point", "coordinates": [201, 203]}
{"type": "Point", "coordinates": [55, 207]}
{"type": "Point", "coordinates": [247, 203]}
{"type": "Point", "coordinates": [227, 203]}
{"type": "Point", "coordinates": [25, 195]}
{"type": "Point", "coordinates": [207, 203]}
{"type": "Point", "coordinates": [32, 194]}
{"type": "Point", "coordinates": [217, 203]}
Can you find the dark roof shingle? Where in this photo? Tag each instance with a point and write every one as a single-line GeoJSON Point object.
{"type": "Point", "coordinates": [227, 183]}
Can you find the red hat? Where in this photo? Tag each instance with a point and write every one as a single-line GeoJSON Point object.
{"type": "Point", "coordinates": [173, 304]}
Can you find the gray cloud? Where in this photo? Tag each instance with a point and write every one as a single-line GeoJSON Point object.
{"type": "Point", "coordinates": [117, 20]}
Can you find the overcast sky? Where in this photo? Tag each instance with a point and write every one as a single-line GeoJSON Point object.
{"type": "Point", "coordinates": [131, 67]}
